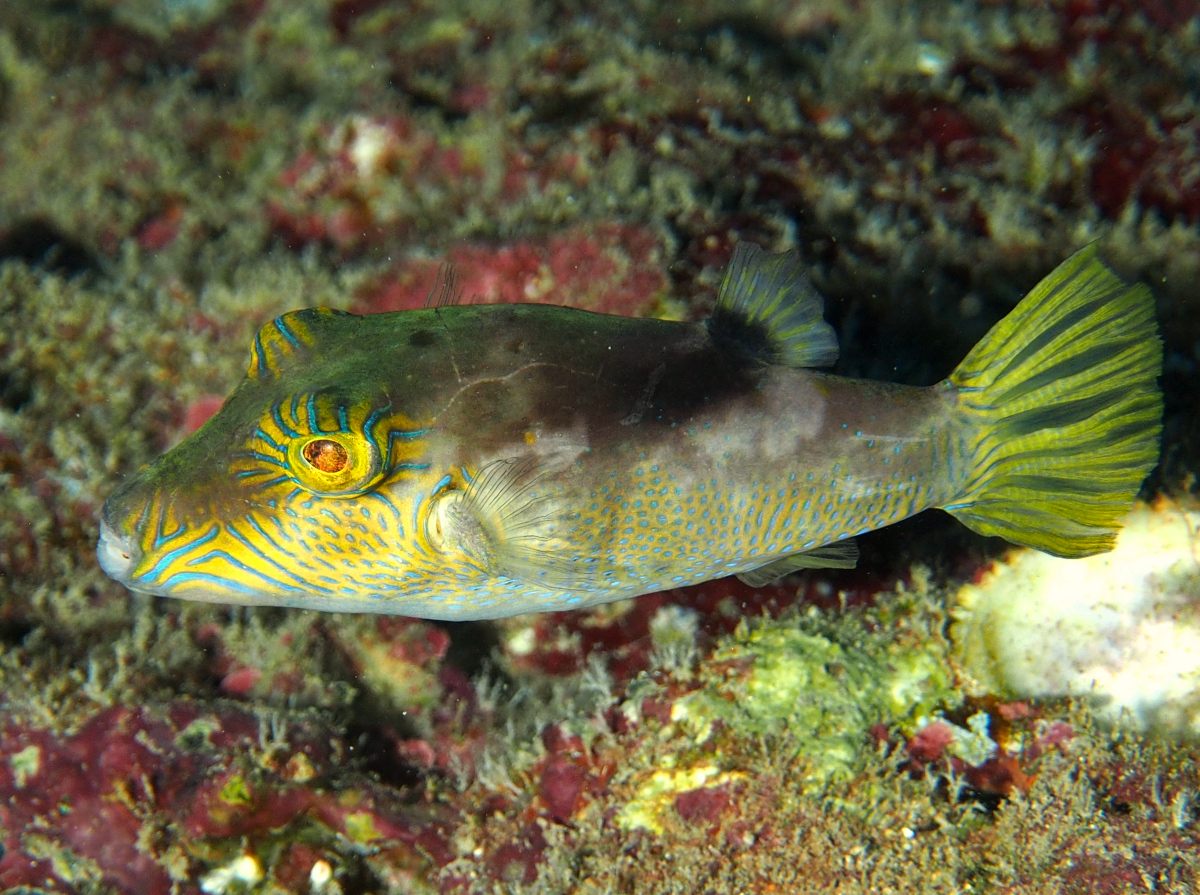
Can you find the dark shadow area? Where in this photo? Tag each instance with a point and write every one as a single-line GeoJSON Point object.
{"type": "Point", "coordinates": [39, 243]}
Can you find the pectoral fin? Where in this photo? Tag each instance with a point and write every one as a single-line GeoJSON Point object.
{"type": "Point", "coordinates": [841, 555]}
{"type": "Point", "coordinates": [506, 521]}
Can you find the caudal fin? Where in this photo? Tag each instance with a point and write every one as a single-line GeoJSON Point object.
{"type": "Point", "coordinates": [1063, 411]}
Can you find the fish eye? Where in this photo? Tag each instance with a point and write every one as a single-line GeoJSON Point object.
{"type": "Point", "coordinates": [335, 465]}
{"type": "Point", "coordinates": [326, 455]}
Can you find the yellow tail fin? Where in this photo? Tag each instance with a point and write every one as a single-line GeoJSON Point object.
{"type": "Point", "coordinates": [1063, 411]}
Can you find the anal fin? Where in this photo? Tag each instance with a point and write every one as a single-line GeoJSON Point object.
{"type": "Point", "coordinates": [839, 555]}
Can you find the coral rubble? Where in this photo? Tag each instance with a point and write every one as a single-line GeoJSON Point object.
{"type": "Point", "coordinates": [1120, 628]}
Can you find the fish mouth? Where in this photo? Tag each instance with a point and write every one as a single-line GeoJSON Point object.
{"type": "Point", "coordinates": [116, 552]}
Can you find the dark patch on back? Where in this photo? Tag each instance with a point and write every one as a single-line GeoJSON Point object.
{"type": "Point", "coordinates": [673, 389]}
{"type": "Point", "coordinates": [705, 379]}
{"type": "Point", "coordinates": [743, 338]}
{"type": "Point", "coordinates": [622, 381]}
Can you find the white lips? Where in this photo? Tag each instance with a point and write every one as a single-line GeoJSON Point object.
{"type": "Point", "coordinates": [114, 553]}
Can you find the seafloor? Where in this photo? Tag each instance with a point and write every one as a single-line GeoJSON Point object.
{"type": "Point", "coordinates": [173, 173]}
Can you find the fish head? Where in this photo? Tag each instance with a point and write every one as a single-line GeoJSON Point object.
{"type": "Point", "coordinates": [288, 495]}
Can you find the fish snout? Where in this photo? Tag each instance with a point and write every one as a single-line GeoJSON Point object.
{"type": "Point", "coordinates": [116, 552]}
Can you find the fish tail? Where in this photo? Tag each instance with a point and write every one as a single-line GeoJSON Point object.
{"type": "Point", "coordinates": [1062, 410]}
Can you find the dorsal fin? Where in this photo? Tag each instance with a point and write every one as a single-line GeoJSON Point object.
{"type": "Point", "coordinates": [447, 289]}
{"type": "Point", "coordinates": [769, 310]}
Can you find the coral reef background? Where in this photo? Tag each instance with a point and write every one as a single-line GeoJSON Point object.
{"type": "Point", "coordinates": [173, 173]}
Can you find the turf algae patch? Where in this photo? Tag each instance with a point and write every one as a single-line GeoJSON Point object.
{"type": "Point", "coordinates": [825, 682]}
{"type": "Point", "coordinates": [778, 764]}
{"type": "Point", "coordinates": [663, 791]}
{"type": "Point", "coordinates": [154, 799]}
{"type": "Point", "coordinates": [82, 375]}
{"type": "Point", "coordinates": [1091, 821]}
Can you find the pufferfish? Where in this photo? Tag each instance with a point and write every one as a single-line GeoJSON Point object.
{"type": "Point", "coordinates": [468, 461]}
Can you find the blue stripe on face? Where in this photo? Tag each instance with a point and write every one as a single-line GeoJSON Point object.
{"type": "Point", "coordinates": [215, 580]}
{"type": "Point", "coordinates": [238, 564]}
{"type": "Point", "coordinates": [249, 546]}
{"type": "Point", "coordinates": [260, 434]}
{"type": "Point", "coordinates": [373, 419]}
{"type": "Point", "coordinates": [278, 480]}
{"type": "Point", "coordinates": [141, 523]}
{"type": "Point", "coordinates": [279, 525]}
{"type": "Point", "coordinates": [259, 355]}
{"type": "Point", "coordinates": [405, 433]}
{"type": "Point", "coordinates": [387, 501]}
{"type": "Point", "coordinates": [263, 458]}
{"type": "Point", "coordinates": [411, 466]}
{"type": "Point", "coordinates": [285, 332]}
{"type": "Point", "coordinates": [295, 411]}
{"type": "Point", "coordinates": [287, 430]}
{"type": "Point", "coordinates": [313, 423]}
{"type": "Point", "coordinates": [168, 558]}
{"type": "Point", "coordinates": [161, 537]}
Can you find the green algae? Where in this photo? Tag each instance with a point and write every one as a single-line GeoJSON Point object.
{"type": "Point", "coordinates": [159, 18]}
{"type": "Point", "coordinates": [361, 828]}
{"type": "Point", "coordinates": [236, 792]}
{"type": "Point", "coordinates": [826, 682]}
{"type": "Point", "coordinates": [25, 764]}
{"type": "Point", "coordinates": [888, 830]}
{"type": "Point", "coordinates": [656, 794]}
{"type": "Point", "coordinates": [83, 874]}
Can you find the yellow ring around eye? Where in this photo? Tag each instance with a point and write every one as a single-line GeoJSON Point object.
{"type": "Point", "coordinates": [337, 464]}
